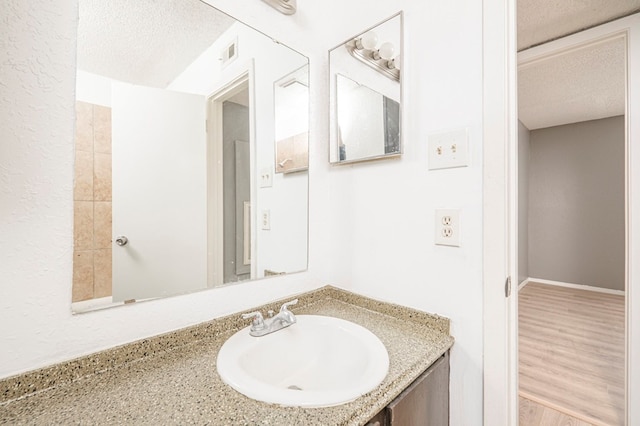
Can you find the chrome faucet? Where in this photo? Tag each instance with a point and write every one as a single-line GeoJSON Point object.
{"type": "Point", "coordinates": [261, 326]}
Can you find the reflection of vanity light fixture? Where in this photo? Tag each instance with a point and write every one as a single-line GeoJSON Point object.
{"type": "Point", "coordinates": [368, 41]}
{"type": "Point", "coordinates": [394, 63]}
{"type": "Point", "coordinates": [288, 7]}
{"type": "Point", "coordinates": [386, 51]}
{"type": "Point", "coordinates": [288, 83]}
{"type": "Point", "coordinates": [365, 48]}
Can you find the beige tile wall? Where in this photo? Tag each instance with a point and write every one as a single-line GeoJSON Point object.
{"type": "Point", "coordinates": [92, 270]}
{"type": "Point", "coordinates": [292, 153]}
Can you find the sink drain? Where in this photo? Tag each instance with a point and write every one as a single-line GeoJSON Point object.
{"type": "Point", "coordinates": [294, 387]}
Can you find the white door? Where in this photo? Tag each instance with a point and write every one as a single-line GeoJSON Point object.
{"type": "Point", "coordinates": [159, 192]}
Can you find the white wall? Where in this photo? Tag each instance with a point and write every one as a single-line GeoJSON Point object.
{"type": "Point", "coordinates": [371, 225]}
{"type": "Point", "coordinates": [93, 88]}
{"type": "Point", "coordinates": [387, 208]}
{"type": "Point", "coordinates": [291, 106]}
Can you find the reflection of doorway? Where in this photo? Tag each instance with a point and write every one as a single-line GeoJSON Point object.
{"type": "Point", "coordinates": [572, 250]}
{"type": "Point", "coordinates": [230, 184]}
{"type": "Point", "coordinates": [237, 187]}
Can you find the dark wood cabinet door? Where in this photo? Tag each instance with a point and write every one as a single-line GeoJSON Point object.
{"type": "Point", "coordinates": [379, 420]}
{"type": "Point", "coordinates": [426, 401]}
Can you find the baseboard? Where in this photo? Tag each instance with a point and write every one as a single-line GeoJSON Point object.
{"type": "Point", "coordinates": [576, 286]}
{"type": "Point", "coordinates": [560, 408]}
{"type": "Point", "coordinates": [523, 283]}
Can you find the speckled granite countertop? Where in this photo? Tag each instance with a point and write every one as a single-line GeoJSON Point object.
{"type": "Point", "coordinates": [172, 378]}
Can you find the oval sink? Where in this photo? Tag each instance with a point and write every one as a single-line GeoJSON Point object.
{"type": "Point", "coordinates": [319, 361]}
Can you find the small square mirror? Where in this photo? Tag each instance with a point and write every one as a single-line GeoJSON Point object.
{"type": "Point", "coordinates": [365, 94]}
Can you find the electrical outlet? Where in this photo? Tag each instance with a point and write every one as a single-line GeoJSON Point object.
{"type": "Point", "coordinates": [448, 150]}
{"type": "Point", "coordinates": [266, 220]}
{"type": "Point", "coordinates": [447, 227]}
{"type": "Point", "coordinates": [266, 177]}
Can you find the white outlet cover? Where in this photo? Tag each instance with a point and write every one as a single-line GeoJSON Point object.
{"type": "Point", "coordinates": [265, 220]}
{"type": "Point", "coordinates": [447, 227]}
{"type": "Point", "coordinates": [449, 149]}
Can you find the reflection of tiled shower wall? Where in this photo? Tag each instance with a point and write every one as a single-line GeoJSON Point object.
{"type": "Point", "coordinates": [92, 203]}
{"type": "Point", "coordinates": [292, 153]}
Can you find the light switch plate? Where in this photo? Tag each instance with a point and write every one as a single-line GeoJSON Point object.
{"type": "Point", "coordinates": [447, 227]}
{"type": "Point", "coordinates": [449, 149]}
{"type": "Point", "coordinates": [266, 177]}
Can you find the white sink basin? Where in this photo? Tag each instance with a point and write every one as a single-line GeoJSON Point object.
{"type": "Point", "coordinates": [318, 362]}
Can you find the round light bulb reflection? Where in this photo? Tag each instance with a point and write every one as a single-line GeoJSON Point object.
{"type": "Point", "coordinates": [394, 63]}
{"type": "Point", "coordinates": [369, 40]}
{"type": "Point", "coordinates": [386, 51]}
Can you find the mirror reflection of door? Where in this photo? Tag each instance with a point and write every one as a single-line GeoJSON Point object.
{"type": "Point", "coordinates": [237, 186]}
{"type": "Point", "coordinates": [159, 191]}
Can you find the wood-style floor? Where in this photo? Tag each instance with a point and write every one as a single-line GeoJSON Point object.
{"type": "Point", "coordinates": [571, 350]}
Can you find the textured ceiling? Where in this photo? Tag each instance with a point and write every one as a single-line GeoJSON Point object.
{"type": "Point", "coordinates": [577, 86]}
{"type": "Point", "coordinates": [147, 42]}
{"type": "Point", "coordinates": [540, 21]}
{"type": "Point", "coordinates": [581, 85]}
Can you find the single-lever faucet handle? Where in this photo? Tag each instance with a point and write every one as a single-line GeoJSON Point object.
{"type": "Point", "coordinates": [285, 306]}
{"type": "Point", "coordinates": [258, 320]}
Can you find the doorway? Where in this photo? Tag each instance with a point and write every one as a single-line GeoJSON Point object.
{"type": "Point", "coordinates": [572, 232]}
{"type": "Point", "coordinates": [500, 209]}
{"type": "Point", "coordinates": [229, 182]}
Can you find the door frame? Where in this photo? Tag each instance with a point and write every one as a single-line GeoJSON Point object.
{"type": "Point", "coordinates": [499, 210]}
{"type": "Point", "coordinates": [500, 177]}
{"type": "Point", "coordinates": [215, 218]}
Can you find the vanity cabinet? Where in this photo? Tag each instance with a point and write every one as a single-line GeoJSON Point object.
{"type": "Point", "coordinates": [425, 402]}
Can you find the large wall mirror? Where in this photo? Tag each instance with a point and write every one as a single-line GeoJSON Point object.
{"type": "Point", "coordinates": [365, 94]}
{"type": "Point", "coordinates": [176, 166]}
